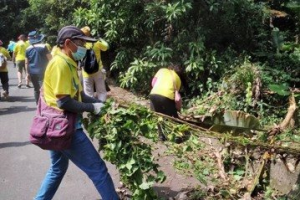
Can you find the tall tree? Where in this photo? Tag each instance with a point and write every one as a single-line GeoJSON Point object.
{"type": "Point", "coordinates": [54, 14]}
{"type": "Point", "coordinates": [12, 23]}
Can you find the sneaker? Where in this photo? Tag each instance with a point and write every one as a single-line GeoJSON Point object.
{"type": "Point", "coordinates": [5, 95]}
{"type": "Point", "coordinates": [19, 85]}
{"type": "Point", "coordinates": [28, 86]}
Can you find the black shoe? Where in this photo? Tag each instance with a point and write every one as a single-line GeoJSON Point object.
{"type": "Point", "coordinates": [19, 85]}
{"type": "Point", "coordinates": [28, 86]}
{"type": "Point", "coordinates": [179, 140]}
{"type": "Point", "coordinates": [162, 137]}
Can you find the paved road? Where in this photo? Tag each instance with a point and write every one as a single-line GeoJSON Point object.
{"type": "Point", "coordinates": [23, 165]}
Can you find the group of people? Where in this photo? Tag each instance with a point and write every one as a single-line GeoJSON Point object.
{"type": "Point", "coordinates": [57, 73]}
{"type": "Point", "coordinates": [28, 63]}
{"type": "Point", "coordinates": [31, 55]}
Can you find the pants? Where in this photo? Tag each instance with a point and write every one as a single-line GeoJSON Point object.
{"type": "Point", "coordinates": [4, 81]}
{"type": "Point", "coordinates": [37, 81]}
{"type": "Point", "coordinates": [84, 155]}
{"type": "Point", "coordinates": [97, 80]}
{"type": "Point", "coordinates": [163, 105]}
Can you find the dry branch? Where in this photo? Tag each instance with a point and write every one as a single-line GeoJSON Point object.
{"type": "Point", "coordinates": [290, 118]}
{"type": "Point", "coordinates": [238, 140]}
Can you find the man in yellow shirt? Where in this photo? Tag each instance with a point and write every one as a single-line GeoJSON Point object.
{"type": "Point", "coordinates": [19, 59]}
{"type": "Point", "coordinates": [3, 70]}
{"type": "Point", "coordinates": [96, 79]}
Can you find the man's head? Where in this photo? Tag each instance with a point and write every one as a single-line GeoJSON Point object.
{"type": "Point", "coordinates": [1, 43]}
{"type": "Point", "coordinates": [72, 33]}
{"type": "Point", "coordinates": [177, 67]}
{"type": "Point", "coordinates": [72, 40]}
{"type": "Point", "coordinates": [22, 37]}
{"type": "Point", "coordinates": [35, 38]}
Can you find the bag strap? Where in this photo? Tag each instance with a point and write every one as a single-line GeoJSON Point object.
{"type": "Point", "coordinates": [73, 79]}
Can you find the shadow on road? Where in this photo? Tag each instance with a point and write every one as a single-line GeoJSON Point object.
{"type": "Point", "coordinates": [15, 109]}
{"type": "Point", "coordinates": [21, 99]}
{"type": "Point", "coordinates": [165, 192]}
{"type": "Point", "coordinates": [13, 144]}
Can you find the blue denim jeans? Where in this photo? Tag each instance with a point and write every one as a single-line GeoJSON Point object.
{"type": "Point", "coordinates": [84, 155]}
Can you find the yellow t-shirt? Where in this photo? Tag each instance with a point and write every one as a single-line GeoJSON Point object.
{"type": "Point", "coordinates": [61, 78]}
{"type": "Point", "coordinates": [164, 84]}
{"type": "Point", "coordinates": [97, 47]}
{"type": "Point", "coordinates": [27, 43]}
{"type": "Point", "coordinates": [20, 50]}
{"type": "Point", "coordinates": [6, 54]}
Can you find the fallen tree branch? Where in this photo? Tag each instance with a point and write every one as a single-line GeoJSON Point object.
{"type": "Point", "coordinates": [238, 140]}
{"type": "Point", "coordinates": [222, 172]}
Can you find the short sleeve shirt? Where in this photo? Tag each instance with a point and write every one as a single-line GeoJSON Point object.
{"type": "Point", "coordinates": [61, 78]}
{"type": "Point", "coordinates": [6, 54]}
{"type": "Point", "coordinates": [165, 81]}
{"type": "Point", "coordinates": [37, 58]}
{"type": "Point", "coordinates": [20, 50]}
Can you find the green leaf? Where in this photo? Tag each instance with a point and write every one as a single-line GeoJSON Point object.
{"type": "Point", "coordinates": [130, 163]}
{"type": "Point", "coordinates": [282, 89]}
{"type": "Point", "coordinates": [161, 177]}
{"type": "Point", "coordinates": [146, 185]}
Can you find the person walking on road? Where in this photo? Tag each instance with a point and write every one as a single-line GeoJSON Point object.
{"type": "Point", "coordinates": [37, 57]}
{"type": "Point", "coordinates": [4, 56]}
{"type": "Point", "coordinates": [62, 90]}
{"type": "Point", "coordinates": [19, 60]}
{"type": "Point", "coordinates": [11, 47]}
{"type": "Point", "coordinates": [95, 80]}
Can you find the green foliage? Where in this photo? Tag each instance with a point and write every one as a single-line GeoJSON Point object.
{"type": "Point", "coordinates": [138, 71]}
{"type": "Point", "coordinates": [279, 89]}
{"type": "Point", "coordinates": [13, 22]}
{"type": "Point", "coordinates": [54, 14]}
{"type": "Point", "coordinates": [209, 37]}
{"type": "Point", "coordinates": [121, 131]}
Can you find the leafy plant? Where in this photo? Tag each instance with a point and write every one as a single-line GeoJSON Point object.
{"type": "Point", "coordinates": [119, 131]}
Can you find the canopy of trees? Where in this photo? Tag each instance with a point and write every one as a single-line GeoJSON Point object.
{"type": "Point", "coordinates": [246, 50]}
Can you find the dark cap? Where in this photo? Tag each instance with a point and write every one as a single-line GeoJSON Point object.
{"type": "Point", "coordinates": [72, 32]}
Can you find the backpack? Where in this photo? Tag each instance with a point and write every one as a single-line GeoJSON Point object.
{"type": "Point", "coordinates": [89, 63]}
{"type": "Point", "coordinates": [2, 61]}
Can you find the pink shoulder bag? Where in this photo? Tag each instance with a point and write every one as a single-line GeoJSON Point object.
{"type": "Point", "coordinates": [52, 129]}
